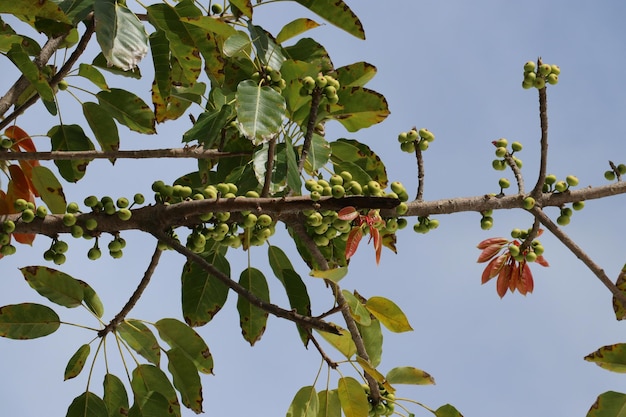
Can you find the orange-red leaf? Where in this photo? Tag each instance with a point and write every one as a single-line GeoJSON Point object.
{"type": "Point", "coordinates": [347, 213]}
{"type": "Point", "coordinates": [24, 238]}
{"type": "Point", "coordinates": [378, 244]}
{"type": "Point", "coordinates": [18, 187]}
{"type": "Point", "coordinates": [492, 241]}
{"type": "Point", "coordinates": [489, 252]}
{"type": "Point", "coordinates": [526, 279]}
{"type": "Point", "coordinates": [502, 285]}
{"type": "Point", "coordinates": [5, 204]}
{"type": "Point", "coordinates": [20, 138]}
{"type": "Point", "coordinates": [354, 238]}
{"type": "Point", "coordinates": [542, 261]}
{"type": "Point", "coordinates": [493, 268]}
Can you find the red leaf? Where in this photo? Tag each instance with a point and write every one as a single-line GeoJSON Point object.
{"type": "Point", "coordinates": [514, 279]}
{"type": "Point", "coordinates": [18, 187]}
{"type": "Point", "coordinates": [352, 244]}
{"type": "Point", "coordinates": [5, 204]}
{"type": "Point", "coordinates": [24, 238]}
{"type": "Point", "coordinates": [489, 252]}
{"type": "Point", "coordinates": [20, 138]}
{"type": "Point", "coordinates": [492, 241]}
{"type": "Point", "coordinates": [347, 213]}
{"type": "Point", "coordinates": [542, 261]}
{"type": "Point", "coordinates": [502, 285]}
{"type": "Point", "coordinates": [526, 279]}
{"type": "Point", "coordinates": [493, 268]}
{"type": "Point", "coordinates": [378, 244]}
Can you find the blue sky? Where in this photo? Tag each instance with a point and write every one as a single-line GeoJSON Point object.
{"type": "Point", "coordinates": [454, 67]}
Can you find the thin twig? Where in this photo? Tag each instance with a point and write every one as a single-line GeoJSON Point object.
{"type": "Point", "coordinates": [316, 97]}
{"type": "Point", "coordinates": [543, 120]}
{"type": "Point", "coordinates": [305, 321]}
{"type": "Point", "coordinates": [420, 173]}
{"type": "Point", "coordinates": [325, 357]}
{"type": "Point", "coordinates": [119, 318]}
{"type": "Point", "coordinates": [579, 253]}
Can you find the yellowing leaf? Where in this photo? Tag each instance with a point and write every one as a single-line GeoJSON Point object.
{"type": "Point", "coordinates": [304, 403]}
{"type": "Point", "coordinates": [334, 275]}
{"type": "Point", "coordinates": [342, 342]}
{"type": "Point", "coordinates": [409, 375]}
{"type": "Point", "coordinates": [611, 357]}
{"type": "Point", "coordinates": [353, 398]}
{"type": "Point", "coordinates": [77, 362]}
{"type": "Point", "coordinates": [389, 314]}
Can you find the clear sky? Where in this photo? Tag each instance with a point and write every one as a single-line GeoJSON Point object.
{"type": "Point", "coordinates": [454, 67]}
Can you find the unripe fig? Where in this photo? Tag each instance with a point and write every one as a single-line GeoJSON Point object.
{"type": "Point", "coordinates": [403, 137]}
{"type": "Point", "coordinates": [321, 81]}
{"type": "Point", "coordinates": [571, 180]}
{"type": "Point", "coordinates": [332, 99]}
{"type": "Point", "coordinates": [250, 220]}
{"type": "Point", "coordinates": [62, 85]}
{"type": "Point", "coordinates": [72, 208]}
{"type": "Point", "coordinates": [502, 142]}
{"type": "Point", "coordinates": [552, 79]}
{"type": "Point", "coordinates": [69, 219]}
{"type": "Point", "coordinates": [402, 208]}
{"type": "Point", "coordinates": [540, 83]}
{"type": "Point", "coordinates": [216, 8]}
{"type": "Point", "coordinates": [20, 204]}
{"type": "Point", "coordinates": [530, 77]}
{"type": "Point", "coordinates": [76, 231]}
{"type": "Point", "coordinates": [8, 226]}
{"type": "Point", "coordinates": [59, 259]}
{"type": "Point", "coordinates": [621, 168]}
{"type": "Point", "coordinates": [500, 152]}
{"type": "Point", "coordinates": [518, 162]}
{"type": "Point", "coordinates": [529, 203]}
{"type": "Point", "coordinates": [91, 224]}
{"type": "Point", "coordinates": [338, 191]}
{"type": "Point", "coordinates": [321, 240]}
{"type": "Point", "coordinates": [412, 134]}
{"type": "Point", "coordinates": [578, 205]}
{"type": "Point", "coordinates": [514, 250]}
{"type": "Point", "coordinates": [315, 195]}
{"type": "Point", "coordinates": [560, 186]}
{"type": "Point", "coordinates": [41, 212]}
{"type": "Point", "coordinates": [545, 69]}
{"type": "Point", "coordinates": [346, 176]}
{"type": "Point", "coordinates": [124, 214]}
{"type": "Point", "coordinates": [91, 201]}
{"type": "Point", "coordinates": [122, 202]}
{"type": "Point", "coordinates": [563, 220]}
{"type": "Point", "coordinates": [355, 188]}
{"type": "Point", "coordinates": [530, 256]}
{"type": "Point", "coordinates": [94, 253]}
{"type": "Point", "coordinates": [116, 254]}
{"type": "Point", "coordinates": [516, 146]}
{"type": "Point", "coordinates": [408, 147]}
{"type": "Point", "coordinates": [109, 208]}
{"type": "Point", "coordinates": [433, 224]}
{"type": "Point", "coordinates": [486, 223]}
{"type": "Point", "coordinates": [550, 179]}
{"type": "Point", "coordinates": [609, 175]}
{"type": "Point", "coordinates": [538, 249]}
{"type": "Point", "coordinates": [397, 187]}
{"type": "Point", "coordinates": [28, 216]}
{"type": "Point", "coordinates": [6, 143]}
{"type": "Point", "coordinates": [252, 194]}
{"type": "Point", "coordinates": [423, 145]}
{"type": "Point", "coordinates": [529, 66]}
{"type": "Point", "coordinates": [5, 239]}
{"type": "Point", "coordinates": [566, 211]}
{"type": "Point", "coordinates": [504, 183]}
{"type": "Point", "coordinates": [527, 84]}
{"type": "Point", "coordinates": [222, 216]}
{"type": "Point", "coordinates": [498, 164]}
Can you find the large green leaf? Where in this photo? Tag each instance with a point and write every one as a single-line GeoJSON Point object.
{"type": "Point", "coordinates": [295, 28]}
{"type": "Point", "coordinates": [115, 396]}
{"type": "Point", "coordinates": [346, 152]}
{"type": "Point", "coordinates": [304, 403]}
{"type": "Point", "coordinates": [182, 45]}
{"type": "Point", "coordinates": [447, 410]}
{"type": "Point", "coordinates": [101, 62]}
{"type": "Point", "coordinates": [357, 309]}
{"type": "Point", "coordinates": [611, 357]}
{"type": "Point", "coordinates": [338, 13]}
{"type": "Point", "coordinates": [389, 314]}
{"type": "Point", "coordinates": [208, 128]}
{"type": "Point", "coordinates": [160, 48]}
{"type": "Point", "coordinates": [329, 404]}
{"type": "Point", "coordinates": [27, 321]}
{"type": "Point", "coordinates": [294, 286]}
{"type": "Point", "coordinates": [260, 111]}
{"type": "Point", "coordinates": [43, 9]}
{"type": "Point", "coordinates": [608, 404]}
{"type": "Point", "coordinates": [252, 319]}
{"type": "Point", "coordinates": [203, 295]}
{"type": "Point", "coordinates": [77, 362]}
{"type": "Point", "coordinates": [91, 299]}
{"type": "Point", "coordinates": [359, 108]}
{"type": "Point", "coordinates": [49, 188]}
{"type": "Point", "coordinates": [56, 286]}
{"type": "Point", "coordinates": [357, 74]}
{"type": "Point", "coordinates": [352, 397]}
{"type": "Point", "coordinates": [38, 79]}
{"type": "Point", "coordinates": [268, 52]}
{"type": "Point", "coordinates": [141, 340]}
{"type": "Point", "coordinates": [409, 375]}
{"type": "Point", "coordinates": [372, 336]}
{"type": "Point", "coordinates": [120, 33]}
{"type": "Point", "coordinates": [87, 404]}
{"type": "Point", "coordinates": [182, 337]}
{"type": "Point", "coordinates": [128, 109]}
{"type": "Point", "coordinates": [102, 125]}
{"type": "Point", "coordinates": [186, 379]}
{"type": "Point", "coordinates": [149, 379]}
{"type": "Point", "coordinates": [90, 72]}
{"type": "Point", "coordinates": [70, 138]}
{"type": "Point", "coordinates": [308, 50]}
{"type": "Point", "coordinates": [210, 24]}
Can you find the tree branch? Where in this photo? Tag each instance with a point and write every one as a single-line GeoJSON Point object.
{"type": "Point", "coordinates": [271, 148]}
{"type": "Point", "coordinates": [305, 321]}
{"type": "Point", "coordinates": [543, 119]}
{"type": "Point", "coordinates": [119, 318]}
{"type": "Point", "coordinates": [316, 97]}
{"type": "Point", "coordinates": [195, 152]}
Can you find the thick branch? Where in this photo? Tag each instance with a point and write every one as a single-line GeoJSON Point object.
{"type": "Point", "coordinates": [269, 168]}
{"type": "Point", "coordinates": [543, 119]}
{"type": "Point", "coordinates": [195, 152]}
{"type": "Point", "coordinates": [420, 173]}
{"type": "Point", "coordinates": [305, 321]}
{"type": "Point", "coordinates": [135, 296]}
{"type": "Point", "coordinates": [316, 97]}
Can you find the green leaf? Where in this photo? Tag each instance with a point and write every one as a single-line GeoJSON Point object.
{"type": "Point", "coordinates": [87, 404]}
{"type": "Point", "coordinates": [294, 286]}
{"type": "Point", "coordinates": [77, 362]}
{"type": "Point", "coordinates": [182, 45]}
{"type": "Point", "coordinates": [44, 9]}
{"type": "Point", "coordinates": [260, 111]}
{"type": "Point", "coordinates": [447, 411]}
{"type": "Point", "coordinates": [101, 62]}
{"type": "Point", "coordinates": [160, 48]}
{"type": "Point", "coordinates": [102, 125]}
{"type": "Point", "coordinates": [208, 128]}
{"type": "Point", "coordinates": [293, 174]}
{"type": "Point", "coordinates": [329, 404]}
{"type": "Point", "coordinates": [389, 314]}
{"type": "Point", "coordinates": [334, 274]}
{"type": "Point", "coordinates": [338, 13]}
{"type": "Point", "coordinates": [149, 379]}
{"type": "Point", "coordinates": [342, 342]}
{"type": "Point", "coordinates": [32, 73]}
{"type": "Point", "coordinates": [182, 337]}
{"type": "Point", "coordinates": [238, 45]}
{"type": "Point", "coordinates": [27, 321]}
{"type": "Point", "coordinates": [56, 286]}
{"type": "Point", "coordinates": [357, 74]}
{"type": "Point", "coordinates": [244, 6]}
{"type": "Point", "coordinates": [70, 138]}
{"type": "Point", "coordinates": [304, 403]}
{"type": "Point", "coordinates": [353, 398]}
{"type": "Point", "coordinates": [91, 299]}
{"type": "Point", "coordinates": [357, 309]}
{"type": "Point", "coordinates": [120, 34]}
{"type": "Point", "coordinates": [115, 396]}
{"type": "Point", "coordinates": [295, 28]}
{"type": "Point", "coordinates": [128, 109]}
{"type": "Point", "coordinates": [251, 318]}
{"type": "Point", "coordinates": [92, 74]}
{"type": "Point", "coordinates": [373, 340]}
{"type": "Point", "coordinates": [210, 24]}
{"type": "Point", "coordinates": [608, 404]}
{"type": "Point", "coordinates": [267, 50]}
{"type": "Point", "coordinates": [373, 372]}
{"type": "Point", "coordinates": [359, 108]}
{"type": "Point", "coordinates": [409, 375]}
{"type": "Point", "coordinates": [203, 295]}
{"type": "Point", "coordinates": [49, 189]}
{"type": "Point", "coordinates": [611, 357]}
{"type": "Point", "coordinates": [140, 339]}
{"type": "Point", "coordinates": [319, 153]}
{"type": "Point", "coordinates": [349, 151]}
{"type": "Point", "coordinates": [186, 379]}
